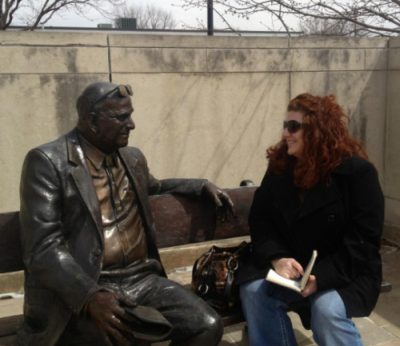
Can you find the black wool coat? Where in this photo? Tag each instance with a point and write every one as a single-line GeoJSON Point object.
{"type": "Point", "coordinates": [342, 220]}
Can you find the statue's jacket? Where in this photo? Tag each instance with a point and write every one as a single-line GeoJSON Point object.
{"type": "Point", "coordinates": [61, 231]}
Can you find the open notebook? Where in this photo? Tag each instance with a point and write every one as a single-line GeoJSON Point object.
{"type": "Point", "coordinates": [296, 285]}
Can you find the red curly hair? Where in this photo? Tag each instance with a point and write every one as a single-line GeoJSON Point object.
{"type": "Point", "coordinates": [327, 142]}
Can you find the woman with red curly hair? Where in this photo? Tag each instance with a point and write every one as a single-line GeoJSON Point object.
{"type": "Point", "coordinates": [320, 193]}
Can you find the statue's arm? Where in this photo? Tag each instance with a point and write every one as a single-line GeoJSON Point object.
{"type": "Point", "coordinates": [188, 187]}
{"type": "Point", "coordinates": [45, 251]}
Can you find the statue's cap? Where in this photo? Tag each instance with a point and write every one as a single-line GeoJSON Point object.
{"type": "Point", "coordinates": [92, 94]}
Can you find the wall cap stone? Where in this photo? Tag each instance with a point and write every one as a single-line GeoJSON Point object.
{"type": "Point", "coordinates": [43, 38]}
{"type": "Point", "coordinates": [338, 42]}
{"type": "Point", "coordinates": [177, 41]}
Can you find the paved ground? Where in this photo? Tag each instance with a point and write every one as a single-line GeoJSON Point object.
{"type": "Point", "coordinates": [381, 328]}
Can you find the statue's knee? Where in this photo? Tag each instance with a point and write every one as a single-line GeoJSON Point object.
{"type": "Point", "coordinates": [213, 329]}
{"type": "Point", "coordinates": [206, 329]}
{"type": "Point", "coordinates": [215, 326]}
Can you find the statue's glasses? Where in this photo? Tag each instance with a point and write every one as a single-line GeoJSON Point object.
{"type": "Point", "coordinates": [292, 126]}
{"type": "Point", "coordinates": [123, 90]}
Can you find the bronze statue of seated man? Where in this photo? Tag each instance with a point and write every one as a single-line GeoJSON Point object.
{"type": "Point", "coordinates": [89, 239]}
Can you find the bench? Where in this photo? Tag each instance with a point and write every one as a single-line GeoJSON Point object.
{"type": "Point", "coordinates": [186, 229]}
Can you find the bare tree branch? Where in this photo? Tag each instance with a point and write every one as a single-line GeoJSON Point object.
{"type": "Point", "coordinates": [148, 16]}
{"type": "Point", "coordinates": [34, 12]}
{"type": "Point", "coordinates": [279, 16]}
{"type": "Point", "coordinates": [11, 13]}
{"type": "Point", "coordinates": [7, 9]}
{"type": "Point", "coordinates": [326, 27]}
{"type": "Point", "coordinates": [376, 17]}
{"type": "Point", "coordinates": [200, 26]}
{"type": "Point", "coordinates": [227, 23]}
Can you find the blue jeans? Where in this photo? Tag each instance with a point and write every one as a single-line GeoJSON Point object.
{"type": "Point", "coordinates": [269, 324]}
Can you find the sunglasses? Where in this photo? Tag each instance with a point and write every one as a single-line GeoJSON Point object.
{"type": "Point", "coordinates": [123, 91]}
{"type": "Point", "coordinates": [292, 125]}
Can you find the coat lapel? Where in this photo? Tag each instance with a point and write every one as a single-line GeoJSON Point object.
{"type": "Point", "coordinates": [318, 197]}
{"type": "Point", "coordinates": [83, 180]}
{"type": "Point", "coordinates": [322, 194]}
{"type": "Point", "coordinates": [286, 194]}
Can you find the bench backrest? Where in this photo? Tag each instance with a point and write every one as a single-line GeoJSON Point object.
{"type": "Point", "coordinates": [178, 221]}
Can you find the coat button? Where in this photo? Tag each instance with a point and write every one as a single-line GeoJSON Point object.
{"type": "Point", "coordinates": [331, 218]}
{"type": "Point", "coordinates": [97, 252]}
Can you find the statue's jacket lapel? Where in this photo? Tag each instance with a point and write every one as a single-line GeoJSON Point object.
{"type": "Point", "coordinates": [138, 173]}
{"type": "Point", "coordinates": [83, 180]}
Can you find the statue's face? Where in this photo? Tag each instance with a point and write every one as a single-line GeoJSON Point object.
{"type": "Point", "coordinates": [114, 123]}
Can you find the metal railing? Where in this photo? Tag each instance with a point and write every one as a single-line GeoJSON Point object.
{"type": "Point", "coordinates": [162, 32]}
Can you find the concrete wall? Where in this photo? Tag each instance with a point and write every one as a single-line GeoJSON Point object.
{"type": "Point", "coordinates": [392, 145]}
{"type": "Point", "coordinates": [204, 106]}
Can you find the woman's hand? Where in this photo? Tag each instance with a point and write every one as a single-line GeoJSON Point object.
{"type": "Point", "coordinates": [288, 268]}
{"type": "Point", "coordinates": [311, 287]}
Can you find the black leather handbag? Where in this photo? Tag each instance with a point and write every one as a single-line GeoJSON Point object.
{"type": "Point", "coordinates": [214, 273]}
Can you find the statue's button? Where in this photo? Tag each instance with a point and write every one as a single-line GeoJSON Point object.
{"type": "Point", "coordinates": [97, 252]}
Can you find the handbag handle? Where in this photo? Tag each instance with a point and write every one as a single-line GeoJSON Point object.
{"type": "Point", "coordinates": [194, 270]}
{"type": "Point", "coordinates": [228, 286]}
{"type": "Point", "coordinates": [232, 265]}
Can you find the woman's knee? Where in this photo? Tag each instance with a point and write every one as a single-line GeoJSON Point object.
{"type": "Point", "coordinates": [253, 291]}
{"type": "Point", "coordinates": [327, 313]}
{"type": "Point", "coordinates": [329, 321]}
{"type": "Point", "coordinates": [327, 306]}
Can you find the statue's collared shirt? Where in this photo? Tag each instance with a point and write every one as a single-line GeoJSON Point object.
{"type": "Point", "coordinates": [124, 236]}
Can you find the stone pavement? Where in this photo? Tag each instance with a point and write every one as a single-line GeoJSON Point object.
{"type": "Point", "coordinates": [381, 328]}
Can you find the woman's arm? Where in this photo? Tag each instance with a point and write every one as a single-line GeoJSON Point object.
{"type": "Point", "coordinates": [268, 243]}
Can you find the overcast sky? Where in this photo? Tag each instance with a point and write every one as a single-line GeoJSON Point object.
{"type": "Point", "coordinates": [189, 17]}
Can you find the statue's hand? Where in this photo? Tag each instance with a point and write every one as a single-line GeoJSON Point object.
{"type": "Point", "coordinates": [224, 204]}
{"type": "Point", "coordinates": [106, 310]}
